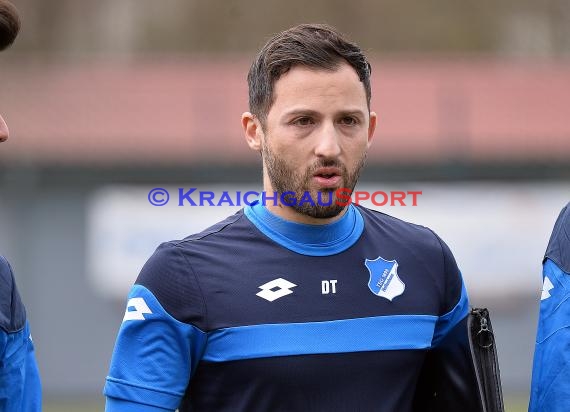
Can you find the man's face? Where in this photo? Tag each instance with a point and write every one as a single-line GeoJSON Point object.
{"type": "Point", "coordinates": [3, 130]}
{"type": "Point", "coordinates": [9, 27]}
{"type": "Point", "coordinates": [316, 136]}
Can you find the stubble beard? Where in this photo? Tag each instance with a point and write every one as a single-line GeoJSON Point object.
{"type": "Point", "coordinates": [285, 179]}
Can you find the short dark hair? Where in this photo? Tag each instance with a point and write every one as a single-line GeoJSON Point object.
{"type": "Point", "coordinates": [311, 45]}
{"type": "Point", "coordinates": [9, 24]}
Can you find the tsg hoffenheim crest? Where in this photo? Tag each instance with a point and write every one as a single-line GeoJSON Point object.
{"type": "Point", "coordinates": [384, 280]}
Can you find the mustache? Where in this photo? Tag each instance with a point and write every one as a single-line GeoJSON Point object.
{"type": "Point", "coordinates": [327, 163]}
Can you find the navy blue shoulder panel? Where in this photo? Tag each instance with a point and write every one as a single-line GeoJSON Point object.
{"type": "Point", "coordinates": [12, 312]}
{"type": "Point", "coordinates": [216, 228]}
{"type": "Point", "coordinates": [169, 274]}
{"type": "Point", "coordinates": [559, 245]}
{"type": "Point", "coordinates": [429, 247]}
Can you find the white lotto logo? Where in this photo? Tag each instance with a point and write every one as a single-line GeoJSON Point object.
{"type": "Point", "coordinates": [275, 289]}
{"type": "Point", "coordinates": [140, 309]}
{"type": "Point", "coordinates": [547, 286]}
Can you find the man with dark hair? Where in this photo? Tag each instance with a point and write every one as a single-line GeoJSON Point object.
{"type": "Point", "coordinates": [293, 304]}
{"type": "Point", "coordinates": [20, 389]}
{"type": "Point", "coordinates": [9, 27]}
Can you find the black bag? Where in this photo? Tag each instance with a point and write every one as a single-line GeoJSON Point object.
{"type": "Point", "coordinates": [485, 359]}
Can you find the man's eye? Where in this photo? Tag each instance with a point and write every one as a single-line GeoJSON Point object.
{"type": "Point", "coordinates": [303, 121]}
{"type": "Point", "coordinates": [349, 121]}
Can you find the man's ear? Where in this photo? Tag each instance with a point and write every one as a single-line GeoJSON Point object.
{"type": "Point", "coordinates": [372, 127]}
{"type": "Point", "coordinates": [252, 130]}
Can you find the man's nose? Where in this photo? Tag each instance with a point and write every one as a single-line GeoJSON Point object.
{"type": "Point", "coordinates": [3, 130]}
{"type": "Point", "coordinates": [328, 144]}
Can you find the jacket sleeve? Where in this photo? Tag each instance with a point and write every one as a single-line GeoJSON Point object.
{"type": "Point", "coordinates": [550, 387]}
{"type": "Point", "coordinates": [447, 382]}
{"type": "Point", "coordinates": [155, 352]}
{"type": "Point", "coordinates": [20, 388]}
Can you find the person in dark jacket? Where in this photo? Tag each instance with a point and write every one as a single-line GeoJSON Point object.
{"type": "Point", "coordinates": [20, 387]}
{"type": "Point", "coordinates": [300, 301]}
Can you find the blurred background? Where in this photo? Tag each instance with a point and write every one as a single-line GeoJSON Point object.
{"type": "Point", "coordinates": [109, 99]}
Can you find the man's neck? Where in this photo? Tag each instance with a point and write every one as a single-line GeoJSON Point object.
{"type": "Point", "coordinates": [290, 214]}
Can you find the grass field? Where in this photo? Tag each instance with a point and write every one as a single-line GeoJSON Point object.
{"type": "Point", "coordinates": [516, 404]}
{"type": "Point", "coordinates": [512, 404]}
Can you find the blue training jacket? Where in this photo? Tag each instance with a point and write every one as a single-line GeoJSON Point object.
{"type": "Point", "coordinates": [550, 388]}
{"type": "Point", "coordinates": [257, 313]}
{"type": "Point", "coordinates": [20, 389]}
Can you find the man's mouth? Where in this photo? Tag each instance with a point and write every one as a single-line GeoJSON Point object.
{"type": "Point", "coordinates": [327, 177]}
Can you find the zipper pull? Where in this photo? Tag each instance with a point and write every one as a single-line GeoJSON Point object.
{"type": "Point", "coordinates": [485, 338]}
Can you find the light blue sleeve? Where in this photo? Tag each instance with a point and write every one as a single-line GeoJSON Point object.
{"type": "Point", "coordinates": [114, 404]}
{"type": "Point", "coordinates": [550, 388]}
{"type": "Point", "coordinates": [153, 359]}
{"type": "Point", "coordinates": [446, 323]}
{"type": "Point", "coordinates": [20, 388]}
